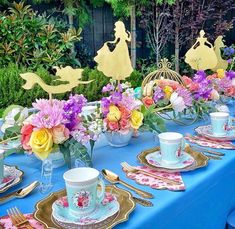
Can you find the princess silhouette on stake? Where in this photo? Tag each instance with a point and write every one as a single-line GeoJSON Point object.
{"type": "Point", "coordinates": [116, 63]}
{"type": "Point", "coordinates": [201, 55]}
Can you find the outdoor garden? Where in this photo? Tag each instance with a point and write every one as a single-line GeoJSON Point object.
{"type": "Point", "coordinates": [109, 108]}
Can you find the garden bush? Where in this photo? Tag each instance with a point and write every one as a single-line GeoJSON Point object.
{"type": "Point", "coordinates": [11, 91]}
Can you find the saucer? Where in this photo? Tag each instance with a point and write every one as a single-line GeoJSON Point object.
{"type": "Point", "coordinates": [206, 131]}
{"type": "Point", "coordinates": [103, 211]}
{"type": "Point", "coordinates": [156, 160]}
{"type": "Point", "coordinates": [10, 145]}
{"type": "Point", "coordinates": [12, 176]}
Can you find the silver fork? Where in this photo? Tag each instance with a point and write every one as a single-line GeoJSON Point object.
{"type": "Point", "coordinates": [133, 169]}
{"type": "Point", "coordinates": [18, 219]}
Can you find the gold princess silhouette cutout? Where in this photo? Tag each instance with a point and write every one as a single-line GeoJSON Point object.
{"type": "Point", "coordinates": [218, 44]}
{"type": "Point", "coordinates": [201, 55]}
{"type": "Point", "coordinates": [68, 74]}
{"type": "Point", "coordinates": [116, 63]}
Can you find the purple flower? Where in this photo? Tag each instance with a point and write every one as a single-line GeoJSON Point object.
{"type": "Point", "coordinates": [203, 93]}
{"type": "Point", "coordinates": [116, 97]}
{"type": "Point", "coordinates": [229, 51]}
{"type": "Point", "coordinates": [119, 88]}
{"type": "Point", "coordinates": [72, 109]}
{"type": "Point", "coordinates": [158, 94]}
{"type": "Point", "coordinates": [107, 88]}
{"type": "Point", "coordinates": [186, 95]}
{"type": "Point", "coordinates": [230, 61]}
{"type": "Point", "coordinates": [199, 76]}
{"type": "Point", "coordinates": [105, 103]}
{"type": "Point", "coordinates": [230, 74]}
{"type": "Point", "coordinates": [225, 83]}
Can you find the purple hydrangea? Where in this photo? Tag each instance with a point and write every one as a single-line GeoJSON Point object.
{"type": "Point", "coordinates": [158, 94]}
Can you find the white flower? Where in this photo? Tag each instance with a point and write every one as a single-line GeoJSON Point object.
{"type": "Point", "coordinates": [215, 95]}
{"type": "Point", "coordinates": [177, 102]}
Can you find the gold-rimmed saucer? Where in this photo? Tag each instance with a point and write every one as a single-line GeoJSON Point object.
{"type": "Point", "coordinates": [200, 160]}
{"type": "Point", "coordinates": [43, 211]}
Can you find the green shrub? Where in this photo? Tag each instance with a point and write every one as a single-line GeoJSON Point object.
{"type": "Point", "coordinates": [32, 40]}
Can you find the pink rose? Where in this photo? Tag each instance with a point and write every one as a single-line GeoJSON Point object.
{"type": "Point", "coordinates": [26, 132]}
{"type": "Point", "coordinates": [148, 101]}
{"type": "Point", "coordinates": [60, 134]}
{"type": "Point", "coordinates": [125, 113]}
{"type": "Point", "coordinates": [124, 124]}
{"type": "Point", "coordinates": [113, 126]}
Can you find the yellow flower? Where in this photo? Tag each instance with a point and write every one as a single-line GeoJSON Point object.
{"type": "Point", "coordinates": [41, 142]}
{"type": "Point", "coordinates": [168, 91]}
{"type": "Point", "coordinates": [114, 114]}
{"type": "Point", "coordinates": [221, 73]}
{"type": "Point", "coordinates": [136, 119]}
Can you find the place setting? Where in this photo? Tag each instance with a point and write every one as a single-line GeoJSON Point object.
{"type": "Point", "coordinates": [219, 134]}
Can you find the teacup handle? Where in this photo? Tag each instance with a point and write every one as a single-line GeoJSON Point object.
{"type": "Point", "coordinates": [182, 146]}
{"type": "Point", "coordinates": [100, 193]}
{"type": "Point", "coordinates": [230, 124]}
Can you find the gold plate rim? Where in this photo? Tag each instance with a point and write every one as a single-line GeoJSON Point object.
{"type": "Point", "coordinates": [19, 181]}
{"type": "Point", "coordinates": [142, 158]}
{"type": "Point", "coordinates": [110, 225]}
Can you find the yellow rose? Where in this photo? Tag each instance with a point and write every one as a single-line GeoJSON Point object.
{"type": "Point", "coordinates": [136, 119]}
{"type": "Point", "coordinates": [41, 142]}
{"type": "Point", "coordinates": [114, 114]}
{"type": "Point", "coordinates": [221, 73]}
{"type": "Point", "coordinates": [168, 91]}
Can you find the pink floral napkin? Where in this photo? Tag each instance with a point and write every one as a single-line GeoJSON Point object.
{"type": "Point", "coordinates": [156, 183]}
{"type": "Point", "coordinates": [201, 141]}
{"type": "Point", "coordinates": [5, 222]}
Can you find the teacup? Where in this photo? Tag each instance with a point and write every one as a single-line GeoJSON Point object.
{"type": "Point", "coordinates": [82, 190]}
{"type": "Point", "coordinates": [1, 165]}
{"type": "Point", "coordinates": [219, 123]}
{"type": "Point", "coordinates": [171, 145]}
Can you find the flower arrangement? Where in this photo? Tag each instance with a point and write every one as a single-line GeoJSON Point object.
{"type": "Point", "coordinates": [120, 109]}
{"type": "Point", "coordinates": [224, 82]}
{"type": "Point", "coordinates": [60, 124]}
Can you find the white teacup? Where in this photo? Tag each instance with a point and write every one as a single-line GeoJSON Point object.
{"type": "Point", "coordinates": [219, 123]}
{"type": "Point", "coordinates": [171, 145]}
{"type": "Point", "coordinates": [82, 190]}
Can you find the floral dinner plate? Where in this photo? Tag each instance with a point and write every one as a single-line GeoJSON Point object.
{"type": "Point", "coordinates": [206, 131]}
{"type": "Point", "coordinates": [108, 208]}
{"type": "Point", "coordinates": [12, 176]}
{"type": "Point", "coordinates": [155, 159]}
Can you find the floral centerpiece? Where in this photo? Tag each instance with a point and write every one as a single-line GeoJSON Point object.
{"type": "Point", "coordinates": [121, 113]}
{"type": "Point", "coordinates": [189, 98]}
{"type": "Point", "coordinates": [224, 82]}
{"type": "Point", "coordinates": [60, 125]}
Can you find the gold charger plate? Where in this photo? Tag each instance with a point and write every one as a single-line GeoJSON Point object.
{"type": "Point", "coordinates": [43, 212]}
{"type": "Point", "coordinates": [200, 160]}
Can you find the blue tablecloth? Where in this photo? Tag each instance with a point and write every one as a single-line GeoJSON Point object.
{"type": "Point", "coordinates": [208, 199]}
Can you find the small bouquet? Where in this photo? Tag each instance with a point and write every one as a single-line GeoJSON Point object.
{"type": "Point", "coordinates": [60, 124]}
{"type": "Point", "coordinates": [120, 110]}
{"type": "Point", "coordinates": [224, 82]}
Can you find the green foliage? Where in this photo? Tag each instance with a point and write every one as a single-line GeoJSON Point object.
{"type": "Point", "coordinates": [72, 148]}
{"type": "Point", "coordinates": [31, 40]}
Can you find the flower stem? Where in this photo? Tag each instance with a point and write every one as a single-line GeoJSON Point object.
{"type": "Point", "coordinates": [9, 139]}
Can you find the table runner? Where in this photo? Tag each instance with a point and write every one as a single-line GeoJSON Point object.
{"type": "Point", "coordinates": [208, 199]}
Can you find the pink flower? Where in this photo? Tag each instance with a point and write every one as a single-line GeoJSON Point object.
{"type": "Point", "coordinates": [60, 134]}
{"type": "Point", "coordinates": [26, 132]}
{"type": "Point", "coordinates": [125, 113]}
{"type": "Point", "coordinates": [148, 101]}
{"type": "Point", "coordinates": [192, 86]}
{"type": "Point", "coordinates": [124, 124]}
{"type": "Point", "coordinates": [113, 126]}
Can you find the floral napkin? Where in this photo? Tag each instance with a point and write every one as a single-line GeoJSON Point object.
{"type": "Point", "coordinates": [5, 222]}
{"type": "Point", "coordinates": [156, 183]}
{"type": "Point", "coordinates": [201, 141]}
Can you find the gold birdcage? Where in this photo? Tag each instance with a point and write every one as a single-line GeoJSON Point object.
{"type": "Point", "coordinates": [164, 72]}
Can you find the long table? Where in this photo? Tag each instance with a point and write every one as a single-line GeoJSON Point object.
{"type": "Point", "coordinates": [208, 199]}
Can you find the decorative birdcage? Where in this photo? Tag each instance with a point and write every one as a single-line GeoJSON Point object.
{"type": "Point", "coordinates": [164, 72]}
